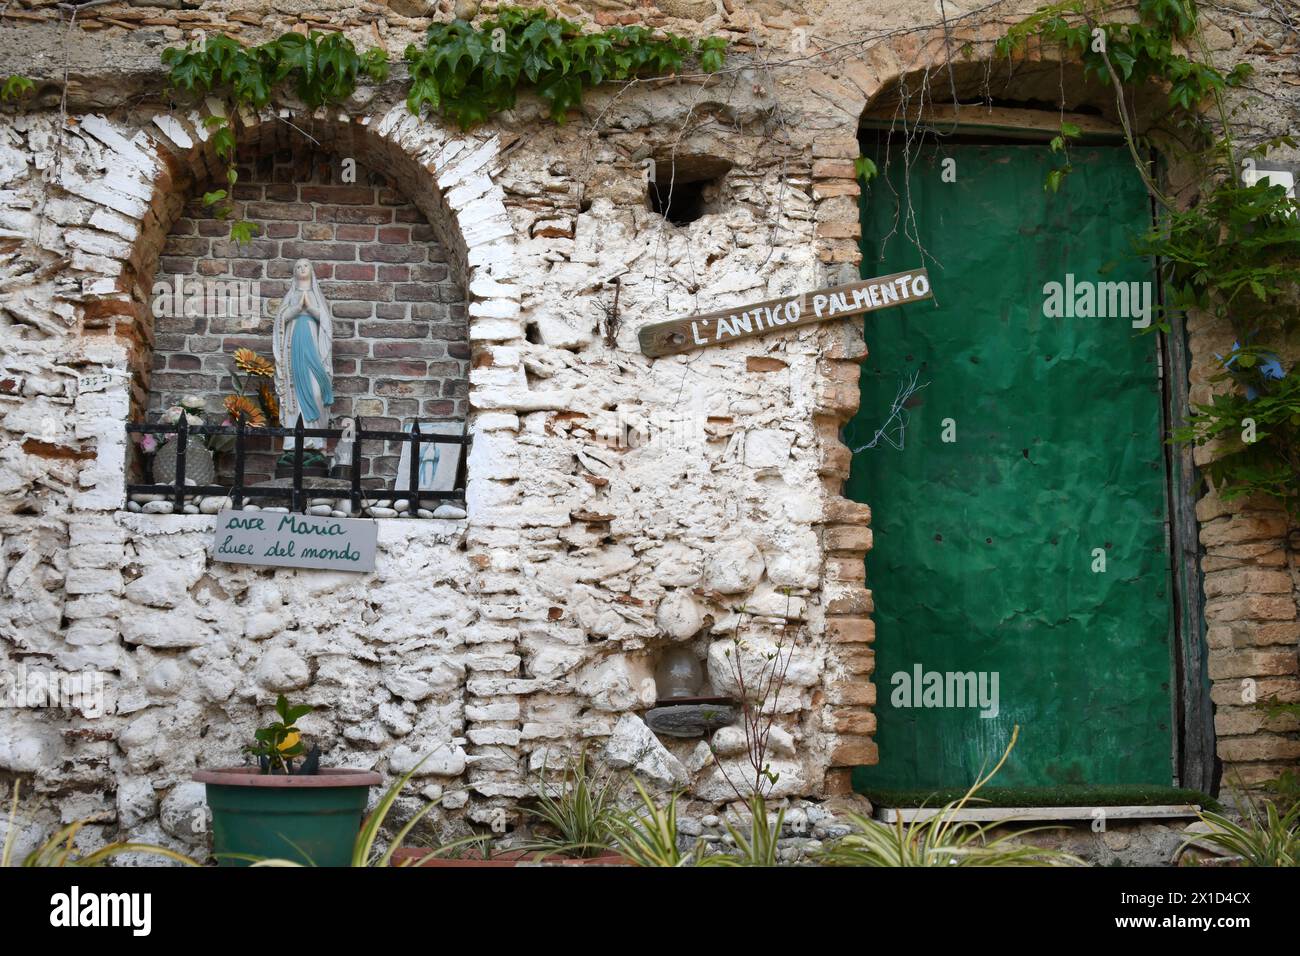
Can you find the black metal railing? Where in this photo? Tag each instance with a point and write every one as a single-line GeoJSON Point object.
{"type": "Point", "coordinates": [298, 494]}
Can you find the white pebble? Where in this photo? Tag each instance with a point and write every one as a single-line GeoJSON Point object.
{"type": "Point", "coordinates": [338, 514]}
{"type": "Point", "coordinates": [159, 508]}
{"type": "Point", "coordinates": [448, 511]}
{"type": "Point", "coordinates": [382, 512]}
{"type": "Point", "coordinates": [320, 511]}
{"type": "Point", "coordinates": [212, 504]}
{"type": "Point", "coordinates": [248, 507]}
{"type": "Point", "coordinates": [145, 499]}
{"type": "Point", "coordinates": [425, 513]}
{"type": "Point", "coordinates": [401, 505]}
{"type": "Point", "coordinates": [133, 506]}
{"type": "Point", "coordinates": [190, 510]}
{"type": "Point", "coordinates": [277, 509]}
{"type": "Point", "coordinates": [321, 501]}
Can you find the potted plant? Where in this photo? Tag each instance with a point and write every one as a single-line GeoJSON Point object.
{"type": "Point", "coordinates": [284, 808]}
{"type": "Point", "coordinates": [199, 464]}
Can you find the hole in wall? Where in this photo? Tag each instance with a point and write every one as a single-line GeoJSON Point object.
{"type": "Point", "coordinates": [684, 188]}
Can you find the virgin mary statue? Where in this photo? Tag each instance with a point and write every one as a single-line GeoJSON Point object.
{"type": "Point", "coordinates": [303, 344]}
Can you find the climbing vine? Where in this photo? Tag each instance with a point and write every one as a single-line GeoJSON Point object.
{"type": "Point", "coordinates": [465, 72]}
{"type": "Point", "coordinates": [323, 69]}
{"type": "Point", "coordinates": [1234, 251]}
{"type": "Point", "coordinates": [471, 72]}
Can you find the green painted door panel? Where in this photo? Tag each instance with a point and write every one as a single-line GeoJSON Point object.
{"type": "Point", "coordinates": [985, 546]}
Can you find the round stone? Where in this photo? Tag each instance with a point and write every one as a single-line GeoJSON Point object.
{"type": "Point", "coordinates": [158, 508]}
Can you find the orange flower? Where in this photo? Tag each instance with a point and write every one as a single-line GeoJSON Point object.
{"type": "Point", "coordinates": [249, 362]}
{"type": "Point", "coordinates": [243, 410]}
{"type": "Point", "coordinates": [270, 403]}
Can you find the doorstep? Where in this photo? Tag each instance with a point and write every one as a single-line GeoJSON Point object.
{"type": "Point", "coordinates": [1037, 814]}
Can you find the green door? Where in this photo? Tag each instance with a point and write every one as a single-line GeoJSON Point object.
{"type": "Point", "coordinates": [1020, 555]}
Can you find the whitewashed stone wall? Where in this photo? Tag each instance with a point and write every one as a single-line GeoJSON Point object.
{"type": "Point", "coordinates": [617, 505]}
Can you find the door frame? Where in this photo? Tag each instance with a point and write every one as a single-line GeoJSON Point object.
{"type": "Point", "coordinates": [1194, 761]}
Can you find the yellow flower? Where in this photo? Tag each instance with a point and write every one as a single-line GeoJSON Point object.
{"type": "Point", "coordinates": [249, 362]}
{"type": "Point", "coordinates": [270, 402]}
{"type": "Point", "coordinates": [242, 409]}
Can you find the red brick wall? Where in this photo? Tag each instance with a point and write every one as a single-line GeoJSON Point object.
{"type": "Point", "coordinates": [400, 332]}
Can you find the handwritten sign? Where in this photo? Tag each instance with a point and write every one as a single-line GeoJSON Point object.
{"type": "Point", "coordinates": [97, 381]}
{"type": "Point", "coordinates": [283, 540]}
{"type": "Point", "coordinates": [729, 325]}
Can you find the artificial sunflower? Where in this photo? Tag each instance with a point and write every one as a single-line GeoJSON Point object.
{"type": "Point", "coordinates": [270, 402]}
{"type": "Point", "coordinates": [250, 363]}
{"type": "Point", "coordinates": [242, 409]}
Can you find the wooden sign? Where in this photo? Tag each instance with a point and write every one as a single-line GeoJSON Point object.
{"type": "Point", "coordinates": [280, 540]}
{"type": "Point", "coordinates": [728, 325]}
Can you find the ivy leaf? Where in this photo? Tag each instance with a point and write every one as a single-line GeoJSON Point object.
{"type": "Point", "coordinates": [1054, 179]}
{"type": "Point", "coordinates": [15, 86]}
{"type": "Point", "coordinates": [865, 168]}
{"type": "Point", "coordinates": [214, 197]}
{"type": "Point", "coordinates": [242, 231]}
{"type": "Point", "coordinates": [713, 53]}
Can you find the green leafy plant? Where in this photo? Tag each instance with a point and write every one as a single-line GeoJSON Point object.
{"type": "Point", "coordinates": [279, 742]}
{"type": "Point", "coordinates": [323, 68]}
{"type": "Point", "coordinates": [1266, 836]}
{"type": "Point", "coordinates": [364, 853]}
{"type": "Point", "coordinates": [576, 813]}
{"type": "Point", "coordinates": [1060, 144]}
{"type": "Point", "coordinates": [61, 848]}
{"type": "Point", "coordinates": [15, 87]}
{"type": "Point", "coordinates": [648, 836]}
{"type": "Point", "coordinates": [468, 73]}
{"type": "Point", "coordinates": [759, 847]}
{"type": "Point", "coordinates": [940, 839]}
{"type": "Point", "coordinates": [1233, 251]}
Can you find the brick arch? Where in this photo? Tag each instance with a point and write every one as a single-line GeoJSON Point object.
{"type": "Point", "coordinates": [153, 172]}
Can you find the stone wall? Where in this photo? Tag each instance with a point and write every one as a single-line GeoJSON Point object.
{"type": "Point", "coordinates": [400, 346]}
{"type": "Point", "coordinates": [617, 505]}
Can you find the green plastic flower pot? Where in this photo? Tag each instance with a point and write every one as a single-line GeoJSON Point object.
{"type": "Point", "coordinates": [311, 820]}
